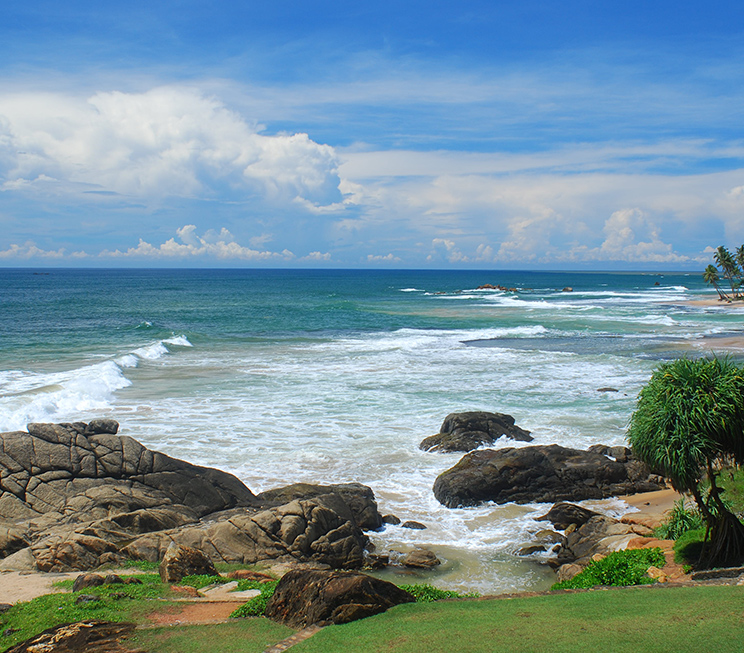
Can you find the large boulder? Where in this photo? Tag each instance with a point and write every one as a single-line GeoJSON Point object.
{"type": "Point", "coordinates": [539, 474]}
{"type": "Point", "coordinates": [470, 430]}
{"type": "Point", "coordinates": [75, 496]}
{"type": "Point", "coordinates": [304, 598]}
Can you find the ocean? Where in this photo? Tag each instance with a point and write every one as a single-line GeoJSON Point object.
{"type": "Point", "coordinates": [331, 376]}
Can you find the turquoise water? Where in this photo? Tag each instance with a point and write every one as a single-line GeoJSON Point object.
{"type": "Point", "coordinates": [331, 376]}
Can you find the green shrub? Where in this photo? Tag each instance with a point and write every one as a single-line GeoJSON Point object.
{"type": "Point", "coordinates": [257, 605]}
{"type": "Point", "coordinates": [202, 580]}
{"type": "Point", "coordinates": [688, 546]}
{"type": "Point", "coordinates": [619, 568]}
{"type": "Point", "coordinates": [428, 593]}
{"type": "Point", "coordinates": [680, 521]}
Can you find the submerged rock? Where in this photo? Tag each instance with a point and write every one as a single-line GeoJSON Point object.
{"type": "Point", "coordinates": [539, 474]}
{"type": "Point", "coordinates": [470, 430]}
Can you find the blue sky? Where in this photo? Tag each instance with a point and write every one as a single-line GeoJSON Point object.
{"type": "Point", "coordinates": [571, 135]}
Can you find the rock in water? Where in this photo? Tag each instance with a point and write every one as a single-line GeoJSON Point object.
{"type": "Point", "coordinates": [304, 598]}
{"type": "Point", "coordinates": [180, 561]}
{"type": "Point", "coordinates": [539, 474]}
{"type": "Point", "coordinates": [468, 431]}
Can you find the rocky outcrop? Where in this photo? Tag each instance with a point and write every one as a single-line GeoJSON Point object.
{"type": "Point", "coordinates": [540, 474]}
{"type": "Point", "coordinates": [468, 431]}
{"type": "Point", "coordinates": [75, 496]}
{"type": "Point", "coordinates": [304, 598]}
{"type": "Point", "coordinates": [588, 536]}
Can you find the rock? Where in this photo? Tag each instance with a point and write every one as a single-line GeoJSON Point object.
{"type": "Point", "coordinates": [75, 496]}
{"type": "Point", "coordinates": [607, 390]}
{"type": "Point", "coordinates": [22, 560]}
{"type": "Point", "coordinates": [562, 514]}
{"type": "Point", "coordinates": [359, 498]}
{"type": "Point", "coordinates": [376, 561]}
{"type": "Point", "coordinates": [304, 598]}
{"type": "Point", "coordinates": [87, 580]}
{"type": "Point", "coordinates": [390, 519]}
{"type": "Point", "coordinates": [4, 607]}
{"type": "Point", "coordinates": [249, 574]}
{"type": "Point", "coordinates": [420, 558]}
{"type": "Point", "coordinates": [415, 525]}
{"type": "Point", "coordinates": [538, 474]}
{"type": "Point", "coordinates": [568, 571]}
{"type": "Point", "coordinates": [567, 289]}
{"type": "Point", "coordinates": [84, 599]}
{"type": "Point", "coordinates": [530, 549]}
{"type": "Point", "coordinates": [91, 636]}
{"type": "Point", "coordinates": [185, 590]}
{"type": "Point", "coordinates": [468, 431]}
{"type": "Point", "coordinates": [658, 574]}
{"type": "Point", "coordinates": [180, 561]}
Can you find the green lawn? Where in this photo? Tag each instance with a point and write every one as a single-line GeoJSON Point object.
{"type": "Point", "coordinates": [693, 619]}
{"type": "Point", "coordinates": [252, 635]}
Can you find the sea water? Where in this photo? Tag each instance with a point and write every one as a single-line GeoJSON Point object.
{"type": "Point", "coordinates": [329, 376]}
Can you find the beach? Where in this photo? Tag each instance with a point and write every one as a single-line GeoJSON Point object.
{"type": "Point", "coordinates": [337, 376]}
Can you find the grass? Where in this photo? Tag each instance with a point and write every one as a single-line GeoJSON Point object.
{"type": "Point", "coordinates": [680, 619]}
{"type": "Point", "coordinates": [241, 636]}
{"type": "Point", "coordinates": [619, 568]}
{"type": "Point", "coordinates": [117, 603]}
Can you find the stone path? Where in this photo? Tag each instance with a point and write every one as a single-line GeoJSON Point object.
{"type": "Point", "coordinates": [298, 637]}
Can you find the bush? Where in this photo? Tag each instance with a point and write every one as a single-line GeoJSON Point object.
{"type": "Point", "coordinates": [689, 545]}
{"type": "Point", "coordinates": [429, 593]}
{"type": "Point", "coordinates": [627, 567]}
{"type": "Point", "coordinates": [680, 521]}
{"type": "Point", "coordinates": [257, 605]}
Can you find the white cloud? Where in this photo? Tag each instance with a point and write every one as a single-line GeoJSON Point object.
{"type": "Point", "coordinates": [316, 256]}
{"type": "Point", "coordinates": [29, 250]}
{"type": "Point", "coordinates": [220, 245]}
{"type": "Point", "coordinates": [379, 258]}
{"type": "Point", "coordinates": [168, 141]}
{"type": "Point", "coordinates": [444, 249]}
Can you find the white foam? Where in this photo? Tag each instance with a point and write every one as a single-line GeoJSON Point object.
{"type": "Point", "coordinates": [411, 290]}
{"type": "Point", "coordinates": [59, 396]}
{"type": "Point", "coordinates": [179, 341]}
{"type": "Point", "coordinates": [152, 351]}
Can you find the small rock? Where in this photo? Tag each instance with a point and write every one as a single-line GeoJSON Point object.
{"type": "Point", "coordinates": [186, 590]}
{"type": "Point", "coordinates": [567, 289]}
{"type": "Point", "coordinates": [132, 580]}
{"type": "Point", "coordinates": [249, 574]}
{"type": "Point", "coordinates": [532, 548]}
{"type": "Point", "coordinates": [421, 558]}
{"type": "Point", "coordinates": [180, 560]}
{"type": "Point", "coordinates": [87, 598]}
{"type": "Point", "coordinates": [87, 580]}
{"type": "Point", "coordinates": [607, 390]}
{"type": "Point", "coordinates": [390, 519]}
{"type": "Point", "coordinates": [113, 579]}
{"type": "Point", "coordinates": [563, 514]}
{"type": "Point", "coordinates": [418, 526]}
{"type": "Point", "coordinates": [4, 607]}
{"type": "Point", "coordinates": [658, 574]}
{"type": "Point", "coordinates": [376, 561]}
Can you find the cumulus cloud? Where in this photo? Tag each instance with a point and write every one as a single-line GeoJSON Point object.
{"type": "Point", "coordinates": [445, 249]}
{"type": "Point", "coordinates": [220, 245]}
{"type": "Point", "coordinates": [317, 256]}
{"type": "Point", "coordinates": [168, 141]}
{"type": "Point", "coordinates": [29, 250]}
{"type": "Point", "coordinates": [379, 258]}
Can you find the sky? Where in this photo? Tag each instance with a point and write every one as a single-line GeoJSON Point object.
{"type": "Point", "coordinates": [409, 134]}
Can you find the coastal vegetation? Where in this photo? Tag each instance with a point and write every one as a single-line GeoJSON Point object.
{"type": "Point", "coordinates": [731, 268]}
{"type": "Point", "coordinates": [619, 568]}
{"type": "Point", "coordinates": [688, 426]}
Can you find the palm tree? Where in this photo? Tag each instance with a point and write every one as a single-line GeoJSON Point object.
{"type": "Point", "coordinates": [729, 268]}
{"type": "Point", "coordinates": [687, 423]}
{"type": "Point", "coordinates": [711, 276]}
